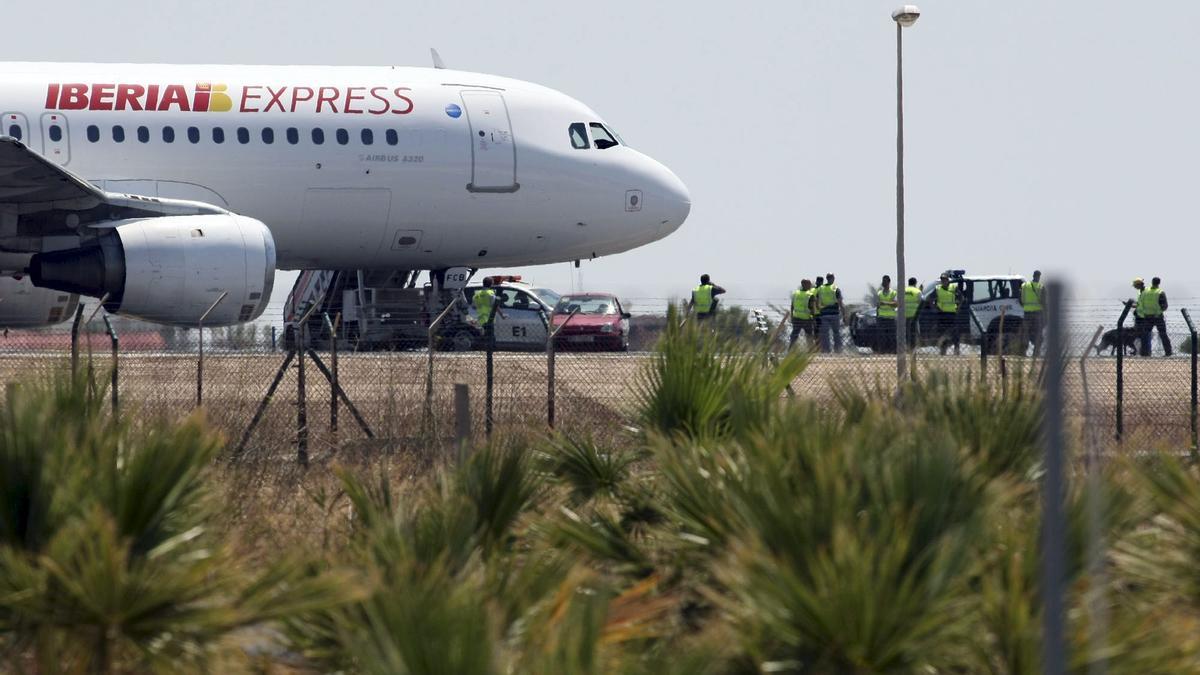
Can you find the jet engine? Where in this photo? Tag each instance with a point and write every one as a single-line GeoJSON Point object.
{"type": "Point", "coordinates": [23, 305]}
{"type": "Point", "coordinates": [170, 269]}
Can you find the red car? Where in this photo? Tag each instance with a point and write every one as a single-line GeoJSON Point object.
{"type": "Point", "coordinates": [599, 322]}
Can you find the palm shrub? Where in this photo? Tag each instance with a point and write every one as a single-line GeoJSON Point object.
{"type": "Point", "coordinates": [870, 537]}
{"type": "Point", "coordinates": [702, 384]}
{"type": "Point", "coordinates": [1109, 626]}
{"type": "Point", "coordinates": [462, 588]}
{"type": "Point", "coordinates": [1159, 559]}
{"type": "Point", "coordinates": [1000, 432]}
{"type": "Point", "coordinates": [588, 468]}
{"type": "Point", "coordinates": [108, 558]}
{"type": "Point", "coordinates": [848, 554]}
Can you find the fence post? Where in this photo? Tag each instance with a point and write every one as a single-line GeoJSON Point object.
{"type": "Point", "coordinates": [200, 361]}
{"type": "Point", "coordinates": [274, 347]}
{"type": "Point", "coordinates": [1089, 456]}
{"type": "Point", "coordinates": [301, 401]}
{"type": "Point", "coordinates": [1192, 329]}
{"type": "Point", "coordinates": [462, 418]}
{"type": "Point", "coordinates": [433, 331]}
{"type": "Point", "coordinates": [1098, 619]}
{"type": "Point", "coordinates": [550, 365]}
{"type": "Point", "coordinates": [490, 331]}
{"type": "Point", "coordinates": [91, 381]}
{"type": "Point", "coordinates": [332, 327]}
{"type": "Point", "coordinates": [490, 372]}
{"type": "Point", "coordinates": [1121, 369]}
{"type": "Point", "coordinates": [550, 378]}
{"type": "Point", "coordinates": [75, 340]}
{"type": "Point", "coordinates": [1002, 353]}
{"type": "Point", "coordinates": [915, 341]}
{"type": "Point", "coordinates": [984, 345]}
{"type": "Point", "coordinates": [1054, 648]}
{"type": "Point", "coordinates": [116, 369]}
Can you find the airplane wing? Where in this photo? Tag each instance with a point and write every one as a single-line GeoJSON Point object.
{"type": "Point", "coordinates": [39, 198]}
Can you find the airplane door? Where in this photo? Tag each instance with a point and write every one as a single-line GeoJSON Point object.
{"type": "Point", "coordinates": [493, 151]}
{"type": "Point", "coordinates": [16, 126]}
{"type": "Point", "coordinates": [55, 146]}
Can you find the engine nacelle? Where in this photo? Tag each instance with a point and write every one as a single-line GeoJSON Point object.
{"type": "Point", "coordinates": [170, 269]}
{"type": "Point", "coordinates": [23, 305]}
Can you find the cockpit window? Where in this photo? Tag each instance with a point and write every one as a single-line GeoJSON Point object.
{"type": "Point", "coordinates": [601, 137]}
{"type": "Point", "coordinates": [579, 138]}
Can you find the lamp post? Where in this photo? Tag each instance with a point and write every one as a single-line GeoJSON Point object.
{"type": "Point", "coordinates": [904, 17]}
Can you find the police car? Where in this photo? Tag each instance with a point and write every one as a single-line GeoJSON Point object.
{"type": "Point", "coordinates": [984, 299]}
{"type": "Point", "coordinates": [522, 322]}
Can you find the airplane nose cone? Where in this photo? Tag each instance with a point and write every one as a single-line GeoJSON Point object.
{"type": "Point", "coordinates": [680, 200]}
{"type": "Point", "coordinates": [677, 201]}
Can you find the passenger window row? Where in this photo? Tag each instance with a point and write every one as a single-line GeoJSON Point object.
{"type": "Point", "coordinates": [243, 135]}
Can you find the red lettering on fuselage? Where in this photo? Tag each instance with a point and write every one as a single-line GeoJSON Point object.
{"type": "Point", "coordinates": [102, 95]}
{"type": "Point", "coordinates": [354, 100]}
{"type": "Point", "coordinates": [152, 97]}
{"type": "Point", "coordinates": [201, 98]}
{"type": "Point", "coordinates": [275, 95]}
{"type": "Point", "coordinates": [296, 98]}
{"type": "Point", "coordinates": [174, 95]}
{"type": "Point", "coordinates": [74, 97]}
{"type": "Point", "coordinates": [379, 97]}
{"type": "Point", "coordinates": [129, 96]}
{"type": "Point", "coordinates": [246, 96]}
{"type": "Point", "coordinates": [351, 97]}
{"type": "Point", "coordinates": [404, 98]}
{"type": "Point", "coordinates": [330, 98]}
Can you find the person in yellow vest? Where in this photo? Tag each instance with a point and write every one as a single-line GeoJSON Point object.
{"type": "Point", "coordinates": [912, 305]}
{"type": "Point", "coordinates": [945, 299]}
{"type": "Point", "coordinates": [830, 310]}
{"type": "Point", "coordinates": [486, 308]}
{"type": "Point", "coordinates": [1151, 313]}
{"type": "Point", "coordinates": [1139, 323]}
{"type": "Point", "coordinates": [885, 316]}
{"type": "Point", "coordinates": [804, 313]}
{"type": "Point", "coordinates": [704, 299]}
{"type": "Point", "coordinates": [1033, 301]}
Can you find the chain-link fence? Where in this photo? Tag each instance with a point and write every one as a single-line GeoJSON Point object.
{"type": "Point", "coordinates": [269, 395]}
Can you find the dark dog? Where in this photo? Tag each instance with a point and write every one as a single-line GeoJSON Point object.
{"type": "Point", "coordinates": [1109, 342]}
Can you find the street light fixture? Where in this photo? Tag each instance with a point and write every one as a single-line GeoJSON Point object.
{"type": "Point", "coordinates": [907, 15]}
{"type": "Point", "coordinates": [904, 17]}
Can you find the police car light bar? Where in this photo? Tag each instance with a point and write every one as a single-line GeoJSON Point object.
{"type": "Point", "coordinates": [502, 278]}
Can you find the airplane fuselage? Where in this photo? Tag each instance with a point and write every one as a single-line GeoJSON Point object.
{"type": "Point", "coordinates": [372, 167]}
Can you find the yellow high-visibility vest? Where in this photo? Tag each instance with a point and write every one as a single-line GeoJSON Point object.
{"type": "Point", "coordinates": [484, 299]}
{"type": "Point", "coordinates": [702, 298]}
{"type": "Point", "coordinates": [887, 311]}
{"type": "Point", "coordinates": [827, 296]}
{"type": "Point", "coordinates": [800, 304]}
{"type": "Point", "coordinates": [912, 301]}
{"type": "Point", "coordinates": [1031, 296]}
{"type": "Point", "coordinates": [1147, 303]}
{"type": "Point", "coordinates": [946, 302]}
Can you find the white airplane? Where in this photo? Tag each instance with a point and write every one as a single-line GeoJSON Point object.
{"type": "Point", "coordinates": [158, 187]}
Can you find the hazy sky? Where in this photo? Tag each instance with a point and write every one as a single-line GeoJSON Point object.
{"type": "Point", "coordinates": [1060, 135]}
